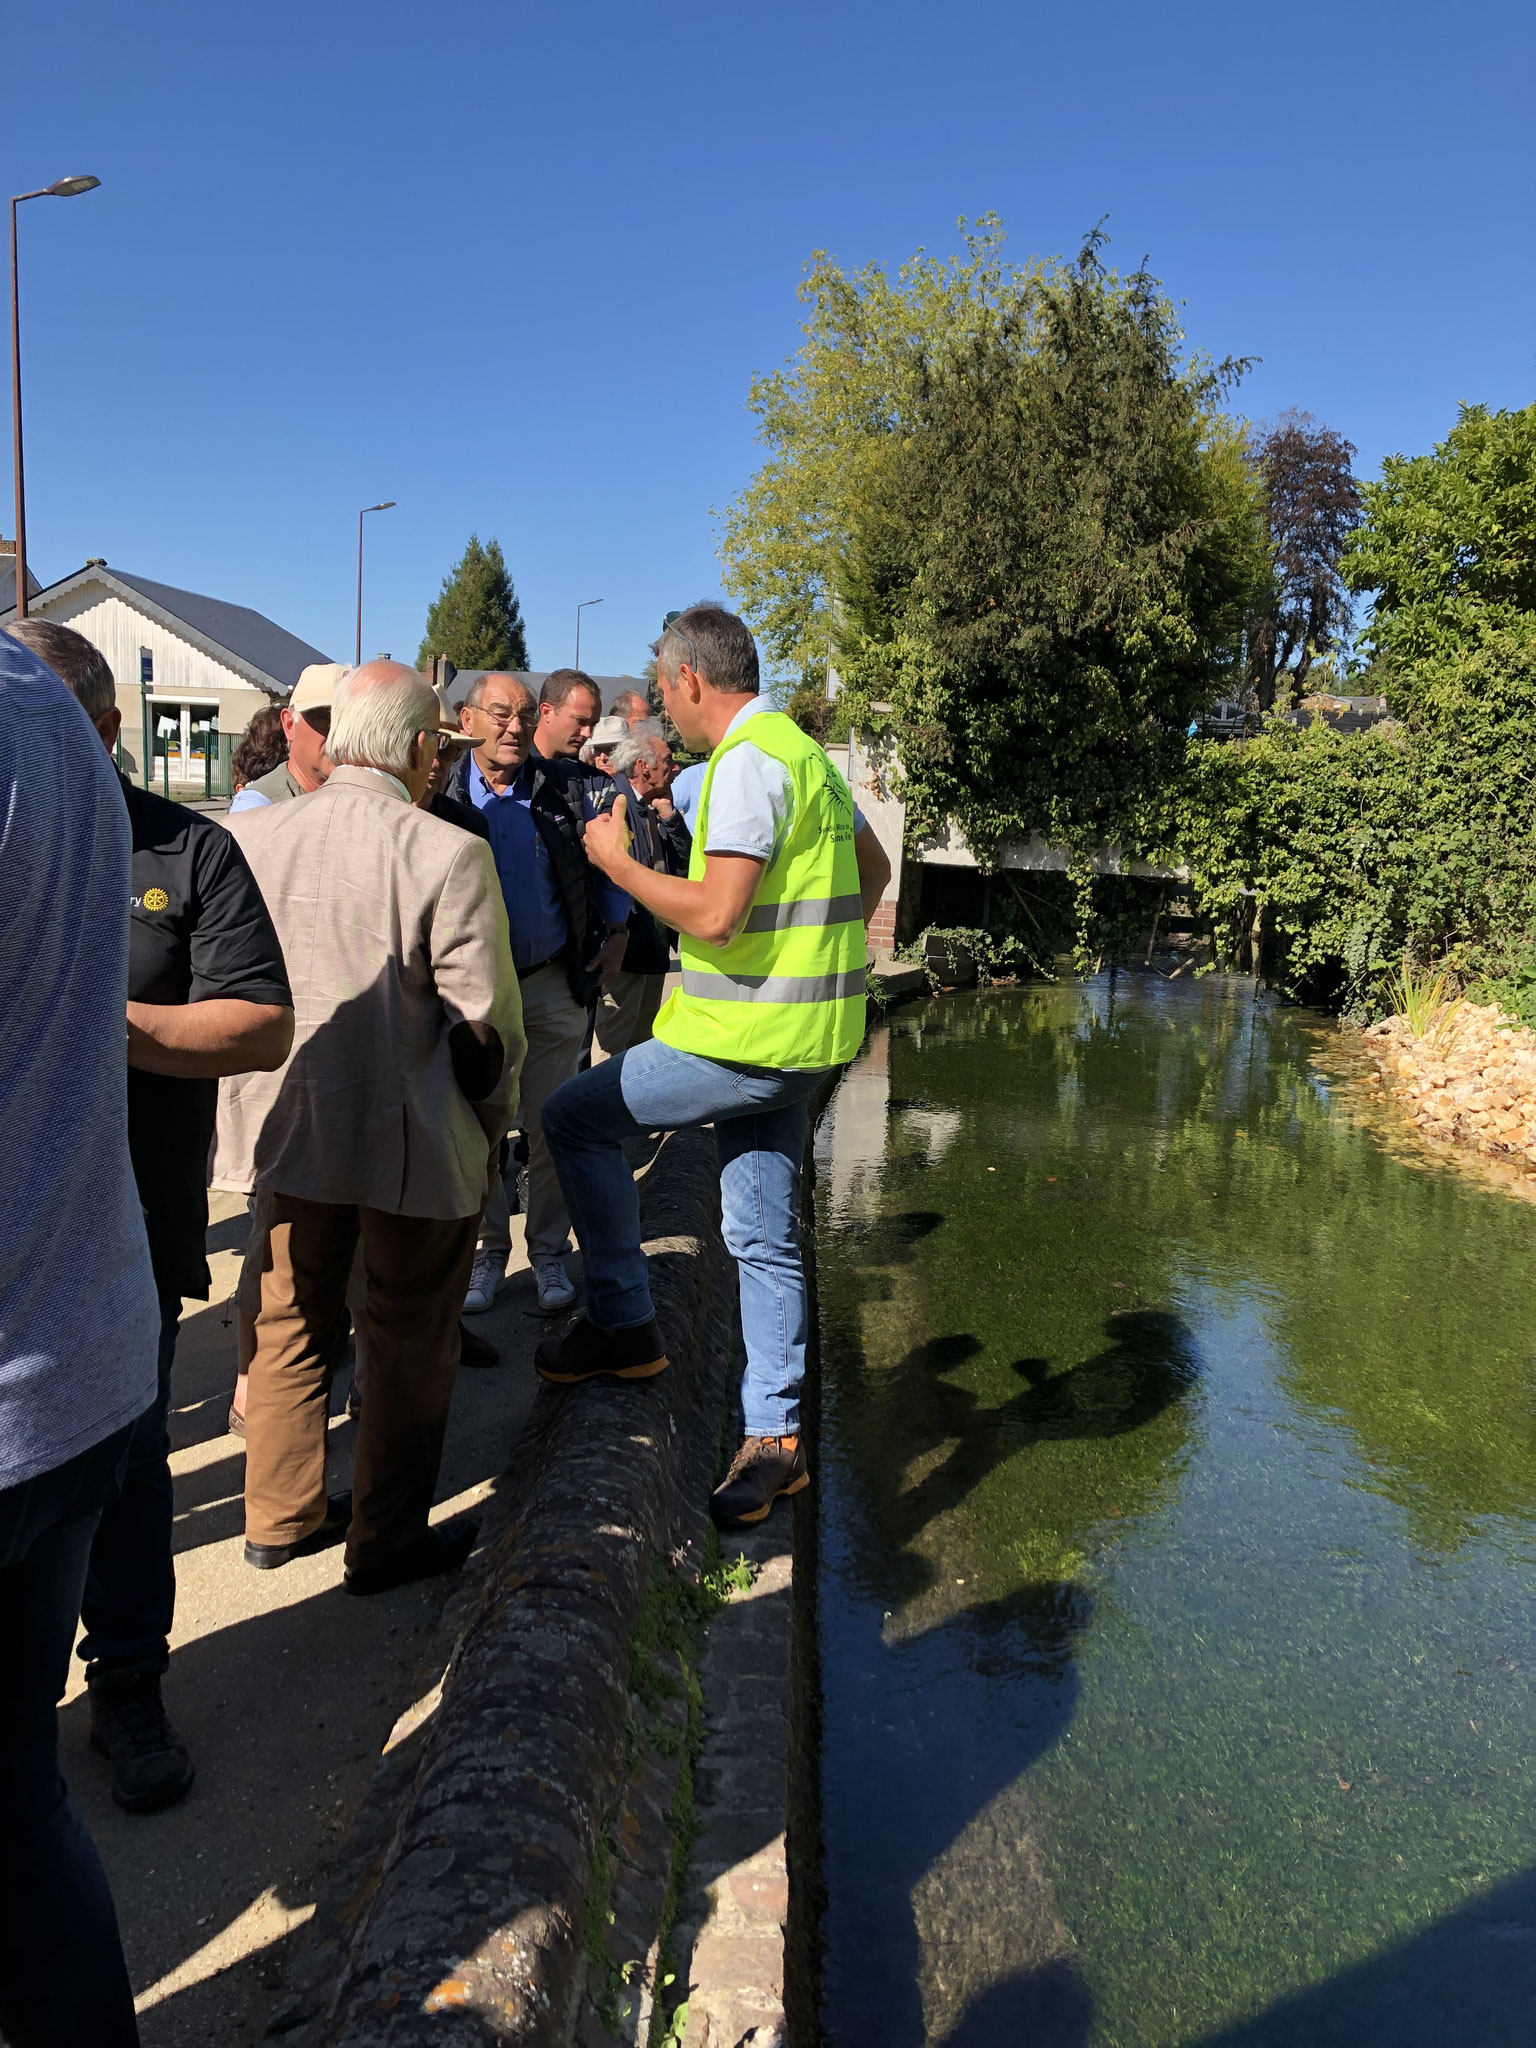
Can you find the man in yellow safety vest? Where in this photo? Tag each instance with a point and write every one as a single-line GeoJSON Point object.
{"type": "Point", "coordinates": [783, 878]}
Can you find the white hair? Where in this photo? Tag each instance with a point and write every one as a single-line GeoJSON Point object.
{"type": "Point", "coordinates": [648, 738]}
{"type": "Point", "coordinates": [374, 725]}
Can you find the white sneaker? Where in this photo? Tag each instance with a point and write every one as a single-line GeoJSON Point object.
{"type": "Point", "coordinates": [555, 1289]}
{"type": "Point", "coordinates": [485, 1282]}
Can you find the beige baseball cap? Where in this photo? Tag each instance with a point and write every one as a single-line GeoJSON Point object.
{"type": "Point", "coordinates": [447, 721]}
{"type": "Point", "coordinates": [317, 685]}
{"type": "Point", "coordinates": [609, 731]}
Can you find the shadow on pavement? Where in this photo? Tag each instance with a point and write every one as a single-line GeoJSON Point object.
{"type": "Point", "coordinates": [284, 1687]}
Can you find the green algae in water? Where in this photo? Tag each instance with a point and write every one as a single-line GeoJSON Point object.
{"type": "Point", "coordinates": [1177, 1494]}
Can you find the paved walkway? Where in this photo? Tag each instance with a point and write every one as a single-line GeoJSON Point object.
{"type": "Point", "coordinates": [284, 1688]}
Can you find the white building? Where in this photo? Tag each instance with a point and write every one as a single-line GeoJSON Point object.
{"type": "Point", "coordinates": [191, 671]}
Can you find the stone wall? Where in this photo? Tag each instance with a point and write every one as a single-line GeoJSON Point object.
{"type": "Point", "coordinates": [458, 1913]}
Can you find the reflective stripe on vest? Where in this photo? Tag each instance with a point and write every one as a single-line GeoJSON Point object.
{"type": "Point", "coordinates": [779, 917]}
{"type": "Point", "coordinates": [789, 990]}
{"type": "Point", "coordinates": [775, 988]}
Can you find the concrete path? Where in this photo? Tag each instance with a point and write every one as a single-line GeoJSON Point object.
{"type": "Point", "coordinates": [283, 1686]}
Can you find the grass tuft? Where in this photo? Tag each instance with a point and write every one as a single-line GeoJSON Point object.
{"type": "Point", "coordinates": [1425, 997]}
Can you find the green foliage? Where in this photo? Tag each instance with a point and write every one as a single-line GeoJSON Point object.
{"type": "Point", "coordinates": [811, 709]}
{"type": "Point", "coordinates": [1006, 502]}
{"type": "Point", "coordinates": [829, 420]}
{"type": "Point", "coordinates": [1449, 546]}
{"type": "Point", "coordinates": [1416, 839]}
{"type": "Point", "coordinates": [1422, 996]}
{"type": "Point", "coordinates": [1054, 584]}
{"type": "Point", "coordinates": [999, 955]}
{"type": "Point", "coordinates": [476, 620]}
{"type": "Point", "coordinates": [1512, 986]}
{"type": "Point", "coordinates": [1012, 509]}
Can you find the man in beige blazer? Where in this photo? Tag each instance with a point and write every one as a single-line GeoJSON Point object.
{"type": "Point", "coordinates": [380, 1126]}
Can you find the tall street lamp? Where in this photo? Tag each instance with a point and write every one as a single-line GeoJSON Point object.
{"type": "Point", "coordinates": [61, 188]}
{"type": "Point", "coordinates": [387, 506]}
{"type": "Point", "coordinates": [579, 610]}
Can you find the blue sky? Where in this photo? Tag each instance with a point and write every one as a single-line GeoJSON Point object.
{"type": "Point", "coordinates": [513, 267]}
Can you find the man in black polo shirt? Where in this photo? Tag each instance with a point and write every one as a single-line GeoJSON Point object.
{"type": "Point", "coordinates": [207, 995]}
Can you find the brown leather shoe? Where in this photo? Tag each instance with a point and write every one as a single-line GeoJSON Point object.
{"type": "Point", "coordinates": [764, 1470]}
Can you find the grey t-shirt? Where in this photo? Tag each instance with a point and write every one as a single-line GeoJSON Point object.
{"type": "Point", "coordinates": [79, 1322]}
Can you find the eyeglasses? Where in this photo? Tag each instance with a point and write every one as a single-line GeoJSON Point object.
{"type": "Point", "coordinates": [502, 719]}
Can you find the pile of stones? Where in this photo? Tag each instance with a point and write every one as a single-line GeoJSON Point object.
{"type": "Point", "coordinates": [1469, 1077]}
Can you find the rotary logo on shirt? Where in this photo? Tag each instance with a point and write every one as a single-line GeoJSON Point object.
{"type": "Point", "coordinates": [155, 899]}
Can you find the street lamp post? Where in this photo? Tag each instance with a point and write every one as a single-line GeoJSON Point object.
{"type": "Point", "coordinates": [61, 188]}
{"type": "Point", "coordinates": [387, 506]}
{"type": "Point", "coordinates": [579, 610]}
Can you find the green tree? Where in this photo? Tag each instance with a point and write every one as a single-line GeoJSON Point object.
{"type": "Point", "coordinates": [1046, 578]}
{"type": "Point", "coordinates": [1418, 837]}
{"type": "Point", "coordinates": [476, 620]}
{"type": "Point", "coordinates": [829, 421]}
{"type": "Point", "coordinates": [1448, 548]}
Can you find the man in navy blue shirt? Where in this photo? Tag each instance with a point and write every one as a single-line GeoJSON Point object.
{"type": "Point", "coordinates": [569, 929]}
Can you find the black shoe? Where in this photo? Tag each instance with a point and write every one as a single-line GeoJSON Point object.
{"type": "Point", "coordinates": [762, 1471]}
{"type": "Point", "coordinates": [475, 1351]}
{"type": "Point", "coordinates": [150, 1764]}
{"type": "Point", "coordinates": [266, 1557]}
{"type": "Point", "coordinates": [587, 1353]}
{"type": "Point", "coordinates": [440, 1550]}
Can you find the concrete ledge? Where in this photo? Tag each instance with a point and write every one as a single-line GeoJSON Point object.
{"type": "Point", "coordinates": [731, 1918]}
{"type": "Point", "coordinates": [457, 1916]}
{"type": "Point", "coordinates": [899, 979]}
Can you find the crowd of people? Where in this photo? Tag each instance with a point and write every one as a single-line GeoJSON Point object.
{"type": "Point", "coordinates": [413, 979]}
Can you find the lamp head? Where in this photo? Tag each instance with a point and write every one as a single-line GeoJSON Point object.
{"type": "Point", "coordinates": [68, 188]}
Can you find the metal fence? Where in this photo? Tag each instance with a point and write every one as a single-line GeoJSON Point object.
{"type": "Point", "coordinates": [207, 774]}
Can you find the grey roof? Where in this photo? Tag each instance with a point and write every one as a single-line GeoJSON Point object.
{"type": "Point", "coordinates": [246, 640]}
{"type": "Point", "coordinates": [251, 635]}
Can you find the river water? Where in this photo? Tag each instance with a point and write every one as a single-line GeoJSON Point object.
{"type": "Point", "coordinates": [1177, 1511]}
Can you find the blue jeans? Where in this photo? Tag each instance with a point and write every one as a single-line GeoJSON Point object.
{"type": "Point", "coordinates": [62, 1977]}
{"type": "Point", "coordinates": [759, 1116]}
{"type": "Point", "coordinates": [130, 1588]}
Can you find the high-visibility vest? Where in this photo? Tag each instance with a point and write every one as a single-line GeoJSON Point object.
{"type": "Point", "coordinates": [789, 990]}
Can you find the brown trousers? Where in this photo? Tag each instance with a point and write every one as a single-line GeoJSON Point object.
{"type": "Point", "coordinates": [416, 1269]}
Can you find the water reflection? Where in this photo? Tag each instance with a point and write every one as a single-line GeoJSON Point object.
{"type": "Point", "coordinates": [1177, 1482]}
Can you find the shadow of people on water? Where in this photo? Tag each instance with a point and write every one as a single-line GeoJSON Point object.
{"type": "Point", "coordinates": [937, 1729]}
{"type": "Point", "coordinates": [1149, 1364]}
{"type": "Point", "coordinates": [1044, 2008]}
{"type": "Point", "coordinates": [941, 1921]}
{"type": "Point", "coordinates": [1467, 1980]}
